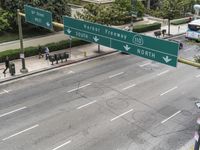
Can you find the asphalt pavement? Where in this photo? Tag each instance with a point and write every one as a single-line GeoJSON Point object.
{"type": "Point", "coordinates": [116, 102]}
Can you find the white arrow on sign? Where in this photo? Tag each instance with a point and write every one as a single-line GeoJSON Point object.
{"type": "Point", "coordinates": [69, 31]}
{"type": "Point", "coordinates": [95, 39]}
{"type": "Point", "coordinates": [126, 47]}
{"type": "Point", "coordinates": [167, 59]}
{"type": "Point", "coordinates": [48, 24]}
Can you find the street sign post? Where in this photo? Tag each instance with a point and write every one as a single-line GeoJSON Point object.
{"type": "Point", "coordinates": [38, 17]}
{"type": "Point", "coordinates": [159, 50]}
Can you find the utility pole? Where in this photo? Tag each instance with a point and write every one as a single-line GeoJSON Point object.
{"type": "Point", "coordinates": [22, 56]}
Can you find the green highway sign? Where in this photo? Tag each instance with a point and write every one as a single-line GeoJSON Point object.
{"type": "Point", "coordinates": [38, 17]}
{"type": "Point", "coordinates": [163, 51]}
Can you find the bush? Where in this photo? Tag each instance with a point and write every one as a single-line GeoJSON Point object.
{"type": "Point", "coordinates": [197, 58]}
{"type": "Point", "coordinates": [181, 21]}
{"type": "Point", "coordinates": [32, 51]}
{"type": "Point", "coordinates": [146, 27]}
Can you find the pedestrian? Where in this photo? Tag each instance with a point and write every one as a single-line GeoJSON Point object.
{"type": "Point", "coordinates": [7, 62]}
{"type": "Point", "coordinates": [46, 53]}
{"type": "Point", "coordinates": [40, 51]}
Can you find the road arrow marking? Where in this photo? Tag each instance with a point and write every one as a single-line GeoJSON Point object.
{"type": "Point", "coordinates": [127, 48]}
{"type": "Point", "coordinates": [95, 39]}
{"type": "Point", "coordinates": [167, 59]}
{"type": "Point", "coordinates": [69, 31]}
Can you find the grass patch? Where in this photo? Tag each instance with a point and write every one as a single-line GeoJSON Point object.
{"type": "Point", "coordinates": [181, 21]}
{"type": "Point", "coordinates": [28, 32]}
{"type": "Point", "coordinates": [146, 27]}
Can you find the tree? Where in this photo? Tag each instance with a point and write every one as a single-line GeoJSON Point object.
{"type": "Point", "coordinates": [115, 13]}
{"type": "Point", "coordinates": [5, 18]}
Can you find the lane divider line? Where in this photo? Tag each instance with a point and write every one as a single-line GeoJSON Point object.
{"type": "Point", "coordinates": [79, 88]}
{"type": "Point", "coordinates": [128, 87]}
{"type": "Point", "coordinates": [121, 115]}
{"type": "Point", "coordinates": [62, 145]}
{"type": "Point", "coordinates": [20, 132]}
{"type": "Point", "coordinates": [86, 104]}
{"type": "Point", "coordinates": [169, 91]}
{"type": "Point", "coordinates": [145, 64]}
{"type": "Point", "coordinates": [198, 76]}
{"type": "Point", "coordinates": [112, 76]}
{"type": "Point", "coordinates": [164, 72]}
{"type": "Point", "coordinates": [11, 112]}
{"type": "Point", "coordinates": [171, 116]}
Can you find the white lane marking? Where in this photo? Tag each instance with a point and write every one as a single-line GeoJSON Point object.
{"type": "Point", "coordinates": [20, 132]}
{"type": "Point", "coordinates": [145, 64]}
{"type": "Point", "coordinates": [116, 75]}
{"type": "Point", "coordinates": [79, 88]}
{"type": "Point", "coordinates": [169, 91]}
{"type": "Point", "coordinates": [166, 71]}
{"type": "Point", "coordinates": [11, 112]}
{"type": "Point", "coordinates": [5, 91]}
{"type": "Point", "coordinates": [171, 116]}
{"type": "Point", "coordinates": [70, 72]}
{"type": "Point", "coordinates": [121, 115]}
{"type": "Point", "coordinates": [198, 76]}
{"type": "Point", "coordinates": [128, 87]}
{"type": "Point", "coordinates": [86, 104]}
{"type": "Point", "coordinates": [62, 145]}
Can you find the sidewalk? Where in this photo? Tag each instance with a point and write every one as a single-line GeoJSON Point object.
{"type": "Point", "coordinates": [35, 65]}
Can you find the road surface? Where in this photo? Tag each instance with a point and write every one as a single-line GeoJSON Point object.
{"type": "Point", "coordinates": [116, 102]}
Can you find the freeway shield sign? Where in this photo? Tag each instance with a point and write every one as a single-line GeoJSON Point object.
{"type": "Point", "coordinates": [38, 17]}
{"type": "Point", "coordinates": [148, 47]}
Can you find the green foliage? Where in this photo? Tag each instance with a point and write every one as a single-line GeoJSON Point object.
{"type": "Point", "coordinates": [5, 18]}
{"type": "Point", "coordinates": [116, 13]}
{"type": "Point", "coordinates": [197, 58]}
{"type": "Point", "coordinates": [180, 21]}
{"type": "Point", "coordinates": [146, 27]}
{"type": "Point", "coordinates": [31, 51]}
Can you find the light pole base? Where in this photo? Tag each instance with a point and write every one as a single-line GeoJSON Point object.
{"type": "Point", "coordinates": [24, 70]}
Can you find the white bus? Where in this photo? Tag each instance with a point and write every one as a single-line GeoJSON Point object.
{"type": "Point", "coordinates": [193, 31]}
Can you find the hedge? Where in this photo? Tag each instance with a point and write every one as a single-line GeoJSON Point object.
{"type": "Point", "coordinates": [146, 27]}
{"type": "Point", "coordinates": [181, 21]}
{"type": "Point", "coordinates": [32, 51]}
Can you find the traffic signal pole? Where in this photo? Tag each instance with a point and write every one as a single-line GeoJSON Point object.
{"type": "Point", "coordinates": [181, 60]}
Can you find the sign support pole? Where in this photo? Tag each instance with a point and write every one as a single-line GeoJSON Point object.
{"type": "Point", "coordinates": [23, 70]}
{"type": "Point", "coordinates": [99, 48]}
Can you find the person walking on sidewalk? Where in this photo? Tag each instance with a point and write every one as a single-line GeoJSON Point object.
{"type": "Point", "coordinates": [46, 52]}
{"type": "Point", "coordinates": [7, 62]}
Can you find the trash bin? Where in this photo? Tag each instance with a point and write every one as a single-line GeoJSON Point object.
{"type": "Point", "coordinates": [12, 68]}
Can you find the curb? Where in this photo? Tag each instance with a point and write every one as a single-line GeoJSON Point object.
{"type": "Point", "coordinates": [54, 67]}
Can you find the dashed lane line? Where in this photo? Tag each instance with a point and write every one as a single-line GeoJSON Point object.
{"type": "Point", "coordinates": [171, 116]}
{"type": "Point", "coordinates": [169, 90]}
{"type": "Point", "coordinates": [20, 132]}
{"type": "Point", "coordinates": [11, 112]}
